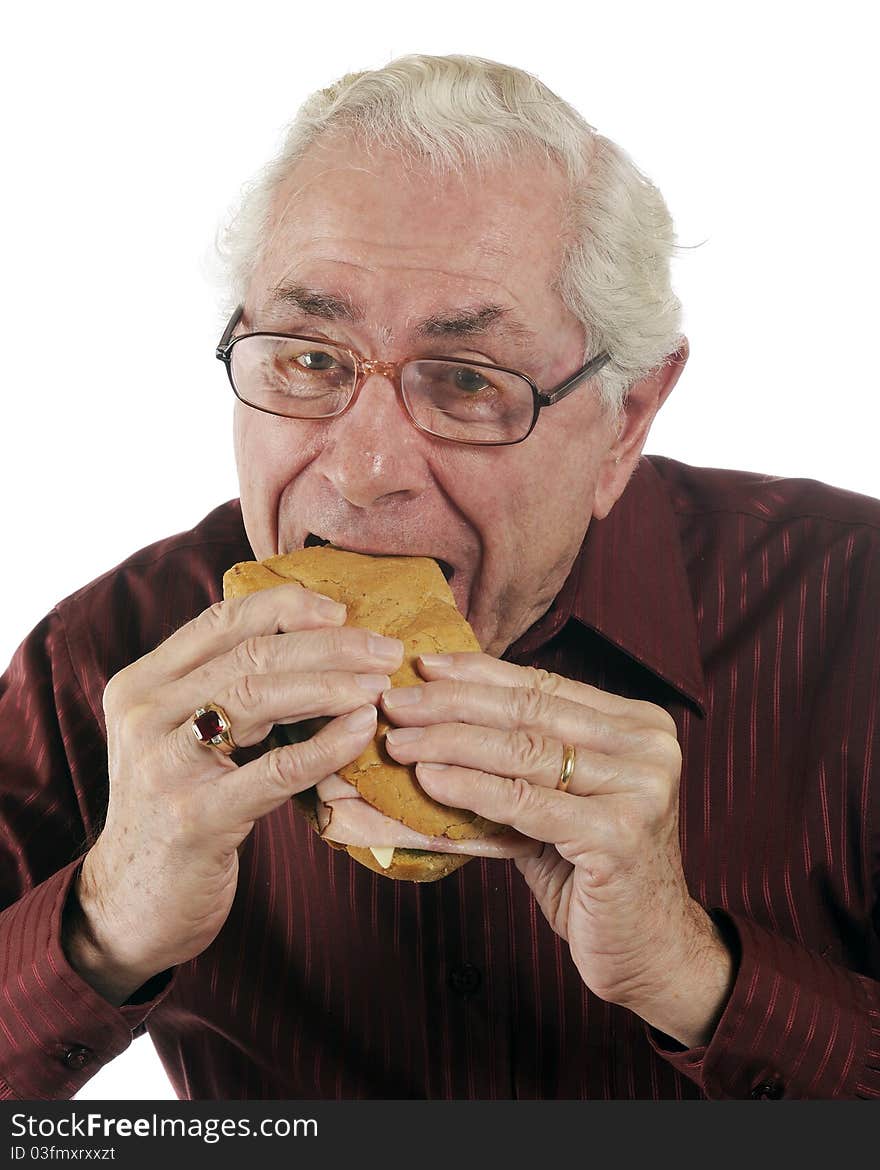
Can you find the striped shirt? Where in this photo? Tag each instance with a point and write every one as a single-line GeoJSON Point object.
{"type": "Point", "coordinates": [746, 606]}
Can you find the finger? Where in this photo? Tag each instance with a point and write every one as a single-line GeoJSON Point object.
{"type": "Point", "coordinates": [255, 703]}
{"type": "Point", "coordinates": [514, 708]}
{"type": "Point", "coordinates": [260, 786]}
{"type": "Point", "coordinates": [225, 624]}
{"type": "Point", "coordinates": [546, 875]}
{"type": "Point", "coordinates": [476, 667]}
{"type": "Point", "coordinates": [339, 648]}
{"type": "Point", "coordinates": [525, 754]}
{"type": "Point", "coordinates": [574, 825]}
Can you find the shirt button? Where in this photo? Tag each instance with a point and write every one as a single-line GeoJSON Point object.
{"type": "Point", "coordinates": [770, 1090]}
{"type": "Point", "coordinates": [77, 1057]}
{"type": "Point", "coordinates": [465, 979]}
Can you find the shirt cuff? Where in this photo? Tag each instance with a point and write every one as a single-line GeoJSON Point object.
{"type": "Point", "coordinates": [795, 1026]}
{"type": "Point", "coordinates": [56, 1031]}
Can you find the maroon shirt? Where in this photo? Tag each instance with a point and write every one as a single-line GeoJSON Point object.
{"type": "Point", "coordinates": [746, 606]}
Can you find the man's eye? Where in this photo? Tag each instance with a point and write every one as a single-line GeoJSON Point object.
{"type": "Point", "coordinates": [317, 359]}
{"type": "Point", "coordinates": [470, 380]}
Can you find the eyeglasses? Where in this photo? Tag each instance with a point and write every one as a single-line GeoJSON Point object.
{"type": "Point", "coordinates": [462, 401]}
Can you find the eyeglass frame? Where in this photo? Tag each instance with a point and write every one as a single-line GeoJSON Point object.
{"type": "Point", "coordinates": [393, 370]}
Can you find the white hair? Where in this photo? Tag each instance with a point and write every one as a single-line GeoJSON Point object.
{"type": "Point", "coordinates": [457, 113]}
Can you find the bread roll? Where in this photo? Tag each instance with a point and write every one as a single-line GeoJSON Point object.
{"type": "Point", "coordinates": [401, 597]}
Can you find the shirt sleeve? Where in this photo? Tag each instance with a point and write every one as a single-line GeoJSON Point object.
{"type": "Point", "coordinates": [796, 1026]}
{"type": "Point", "coordinates": [56, 1031]}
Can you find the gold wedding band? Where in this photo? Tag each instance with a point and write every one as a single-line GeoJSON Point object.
{"type": "Point", "coordinates": [568, 756]}
{"type": "Point", "coordinates": [210, 726]}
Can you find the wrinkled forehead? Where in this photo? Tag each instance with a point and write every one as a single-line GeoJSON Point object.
{"type": "Point", "coordinates": [354, 223]}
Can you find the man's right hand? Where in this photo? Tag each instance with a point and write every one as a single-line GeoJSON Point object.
{"type": "Point", "coordinates": [159, 883]}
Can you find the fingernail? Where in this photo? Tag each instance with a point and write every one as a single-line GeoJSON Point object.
{"type": "Point", "coordinates": [390, 648]}
{"type": "Point", "coordinates": [360, 719]}
{"type": "Point", "coordinates": [428, 771]}
{"type": "Point", "coordinates": [373, 682]}
{"type": "Point", "coordinates": [402, 696]}
{"type": "Point", "coordinates": [329, 608]}
{"type": "Point", "coordinates": [436, 659]}
{"type": "Point", "coordinates": [399, 735]}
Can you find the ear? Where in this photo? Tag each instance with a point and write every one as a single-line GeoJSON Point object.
{"type": "Point", "coordinates": [644, 398]}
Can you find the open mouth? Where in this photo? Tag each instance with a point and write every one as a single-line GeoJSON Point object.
{"type": "Point", "coordinates": [313, 541]}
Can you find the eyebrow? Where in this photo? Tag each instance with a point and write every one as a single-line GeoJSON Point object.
{"type": "Point", "coordinates": [314, 303]}
{"type": "Point", "coordinates": [460, 323]}
{"type": "Point", "coordinates": [470, 323]}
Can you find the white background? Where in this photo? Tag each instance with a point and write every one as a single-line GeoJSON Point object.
{"type": "Point", "coordinates": [129, 132]}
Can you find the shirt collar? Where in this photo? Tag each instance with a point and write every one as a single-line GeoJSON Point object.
{"type": "Point", "coordinates": [628, 583]}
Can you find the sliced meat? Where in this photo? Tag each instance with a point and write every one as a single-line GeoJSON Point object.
{"type": "Point", "coordinates": [347, 819]}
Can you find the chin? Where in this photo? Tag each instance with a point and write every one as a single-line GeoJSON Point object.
{"type": "Point", "coordinates": [461, 593]}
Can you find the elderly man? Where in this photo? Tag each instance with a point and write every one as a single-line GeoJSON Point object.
{"type": "Point", "coordinates": [674, 708]}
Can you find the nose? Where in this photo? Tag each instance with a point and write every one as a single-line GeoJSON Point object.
{"type": "Point", "coordinates": [373, 454]}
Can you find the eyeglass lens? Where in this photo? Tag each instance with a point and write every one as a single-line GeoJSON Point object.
{"type": "Point", "coordinates": [454, 400]}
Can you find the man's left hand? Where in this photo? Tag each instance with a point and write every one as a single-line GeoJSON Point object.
{"type": "Point", "coordinates": [609, 877]}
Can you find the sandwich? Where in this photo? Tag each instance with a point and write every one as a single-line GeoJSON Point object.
{"type": "Point", "coordinates": [375, 808]}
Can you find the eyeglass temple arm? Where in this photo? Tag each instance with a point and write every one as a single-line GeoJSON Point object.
{"type": "Point", "coordinates": [592, 367]}
{"type": "Point", "coordinates": [223, 343]}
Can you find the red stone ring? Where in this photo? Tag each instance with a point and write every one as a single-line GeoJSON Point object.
{"type": "Point", "coordinates": [210, 725]}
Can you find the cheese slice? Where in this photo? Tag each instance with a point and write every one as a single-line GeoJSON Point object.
{"type": "Point", "coordinates": [383, 854]}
